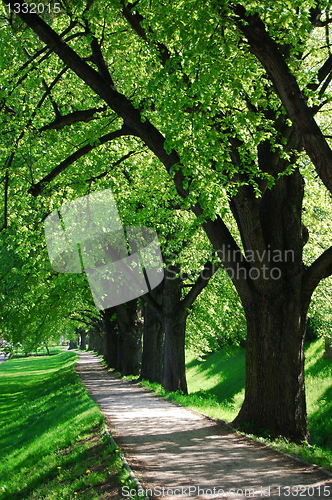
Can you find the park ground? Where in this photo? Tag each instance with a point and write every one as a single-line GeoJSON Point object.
{"type": "Point", "coordinates": [56, 446]}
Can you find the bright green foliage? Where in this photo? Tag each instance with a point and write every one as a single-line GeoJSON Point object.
{"type": "Point", "coordinates": [207, 91]}
{"type": "Point", "coordinates": [317, 217]}
{"type": "Point", "coordinates": [217, 318]}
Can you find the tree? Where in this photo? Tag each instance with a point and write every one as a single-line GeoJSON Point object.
{"type": "Point", "coordinates": [167, 307]}
{"type": "Point", "coordinates": [225, 96]}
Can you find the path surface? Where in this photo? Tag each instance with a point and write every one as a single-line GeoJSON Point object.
{"type": "Point", "coordinates": [3, 358]}
{"type": "Point", "coordinates": [187, 454]}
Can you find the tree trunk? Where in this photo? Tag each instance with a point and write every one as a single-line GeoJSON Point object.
{"type": "Point", "coordinates": [276, 311]}
{"type": "Point", "coordinates": [153, 340]}
{"type": "Point", "coordinates": [274, 393]}
{"type": "Point", "coordinates": [100, 347]}
{"type": "Point", "coordinates": [110, 338]}
{"type": "Point", "coordinates": [72, 345]}
{"type": "Point", "coordinates": [91, 340]}
{"type": "Point", "coordinates": [130, 338]}
{"type": "Point", "coordinates": [83, 340]}
{"type": "Point", "coordinates": [96, 342]}
{"type": "Point", "coordinates": [174, 370]}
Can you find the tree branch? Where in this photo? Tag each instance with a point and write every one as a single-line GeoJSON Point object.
{"type": "Point", "coordinates": [5, 209]}
{"type": "Point", "coordinates": [36, 189]}
{"type": "Point", "coordinates": [42, 59]}
{"type": "Point", "coordinates": [203, 279]}
{"type": "Point", "coordinates": [143, 128]}
{"type": "Point", "coordinates": [135, 21]}
{"type": "Point", "coordinates": [115, 164]}
{"type": "Point", "coordinates": [88, 323]}
{"type": "Point", "coordinates": [117, 101]}
{"type": "Point", "coordinates": [227, 250]}
{"type": "Point", "coordinates": [54, 104]}
{"type": "Point", "coordinates": [267, 52]}
{"type": "Point", "coordinates": [75, 117]}
{"type": "Point", "coordinates": [100, 61]}
{"type": "Point", "coordinates": [321, 268]}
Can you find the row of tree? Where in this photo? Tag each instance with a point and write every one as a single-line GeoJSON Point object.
{"type": "Point", "coordinates": [204, 119]}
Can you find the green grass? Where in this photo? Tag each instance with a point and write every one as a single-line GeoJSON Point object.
{"type": "Point", "coordinates": [19, 352]}
{"type": "Point", "coordinates": [215, 384]}
{"type": "Point", "coordinates": [52, 440]}
{"type": "Point", "coordinates": [216, 388]}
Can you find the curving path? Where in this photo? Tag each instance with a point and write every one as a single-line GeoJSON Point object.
{"type": "Point", "coordinates": [177, 453]}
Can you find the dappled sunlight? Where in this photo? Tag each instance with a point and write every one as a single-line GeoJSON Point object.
{"type": "Point", "coordinates": [169, 446]}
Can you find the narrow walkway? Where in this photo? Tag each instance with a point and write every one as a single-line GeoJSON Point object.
{"type": "Point", "coordinates": [3, 358]}
{"type": "Point", "coordinates": [179, 454]}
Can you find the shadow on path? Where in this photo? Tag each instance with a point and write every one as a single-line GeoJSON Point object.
{"type": "Point", "coordinates": [177, 453]}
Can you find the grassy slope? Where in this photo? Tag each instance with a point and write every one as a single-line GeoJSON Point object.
{"type": "Point", "coordinates": [216, 388]}
{"type": "Point", "coordinates": [217, 383]}
{"type": "Point", "coordinates": [52, 444]}
{"type": "Point", "coordinates": [51, 440]}
{"type": "Point", "coordinates": [222, 376]}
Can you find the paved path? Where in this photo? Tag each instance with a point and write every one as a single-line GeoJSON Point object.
{"type": "Point", "coordinates": [3, 358]}
{"type": "Point", "coordinates": [180, 454]}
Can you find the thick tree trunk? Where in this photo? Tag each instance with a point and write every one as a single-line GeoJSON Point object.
{"type": "Point", "coordinates": [96, 342]}
{"type": "Point", "coordinates": [83, 340]}
{"type": "Point", "coordinates": [72, 345]}
{"type": "Point", "coordinates": [99, 343]}
{"type": "Point", "coordinates": [130, 338]}
{"type": "Point", "coordinates": [274, 394]}
{"type": "Point", "coordinates": [110, 338]}
{"type": "Point", "coordinates": [276, 317]}
{"type": "Point", "coordinates": [91, 340]}
{"type": "Point", "coordinates": [153, 340]}
{"type": "Point", "coordinates": [174, 370]}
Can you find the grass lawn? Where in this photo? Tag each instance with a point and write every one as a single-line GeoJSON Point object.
{"type": "Point", "coordinates": [52, 440]}
{"type": "Point", "coordinates": [216, 388]}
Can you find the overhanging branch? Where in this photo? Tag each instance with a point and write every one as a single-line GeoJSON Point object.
{"type": "Point", "coordinates": [203, 279]}
{"type": "Point", "coordinates": [75, 117]}
{"type": "Point", "coordinates": [138, 125]}
{"type": "Point", "coordinates": [36, 189]}
{"type": "Point", "coordinates": [321, 268]}
{"type": "Point", "coordinates": [267, 52]}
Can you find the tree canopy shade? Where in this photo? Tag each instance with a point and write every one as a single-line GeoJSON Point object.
{"type": "Point", "coordinates": [230, 98]}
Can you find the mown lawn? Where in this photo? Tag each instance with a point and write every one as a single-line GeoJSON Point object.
{"type": "Point", "coordinates": [52, 439]}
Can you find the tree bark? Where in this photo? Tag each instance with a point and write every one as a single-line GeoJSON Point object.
{"type": "Point", "coordinates": [72, 345]}
{"type": "Point", "coordinates": [276, 313]}
{"type": "Point", "coordinates": [110, 338]}
{"type": "Point", "coordinates": [96, 342]}
{"type": "Point", "coordinates": [99, 343]}
{"type": "Point", "coordinates": [130, 338]}
{"type": "Point", "coordinates": [274, 394]}
{"type": "Point", "coordinates": [153, 339]}
{"type": "Point", "coordinates": [174, 370]}
{"type": "Point", "coordinates": [91, 340]}
{"type": "Point", "coordinates": [83, 340]}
